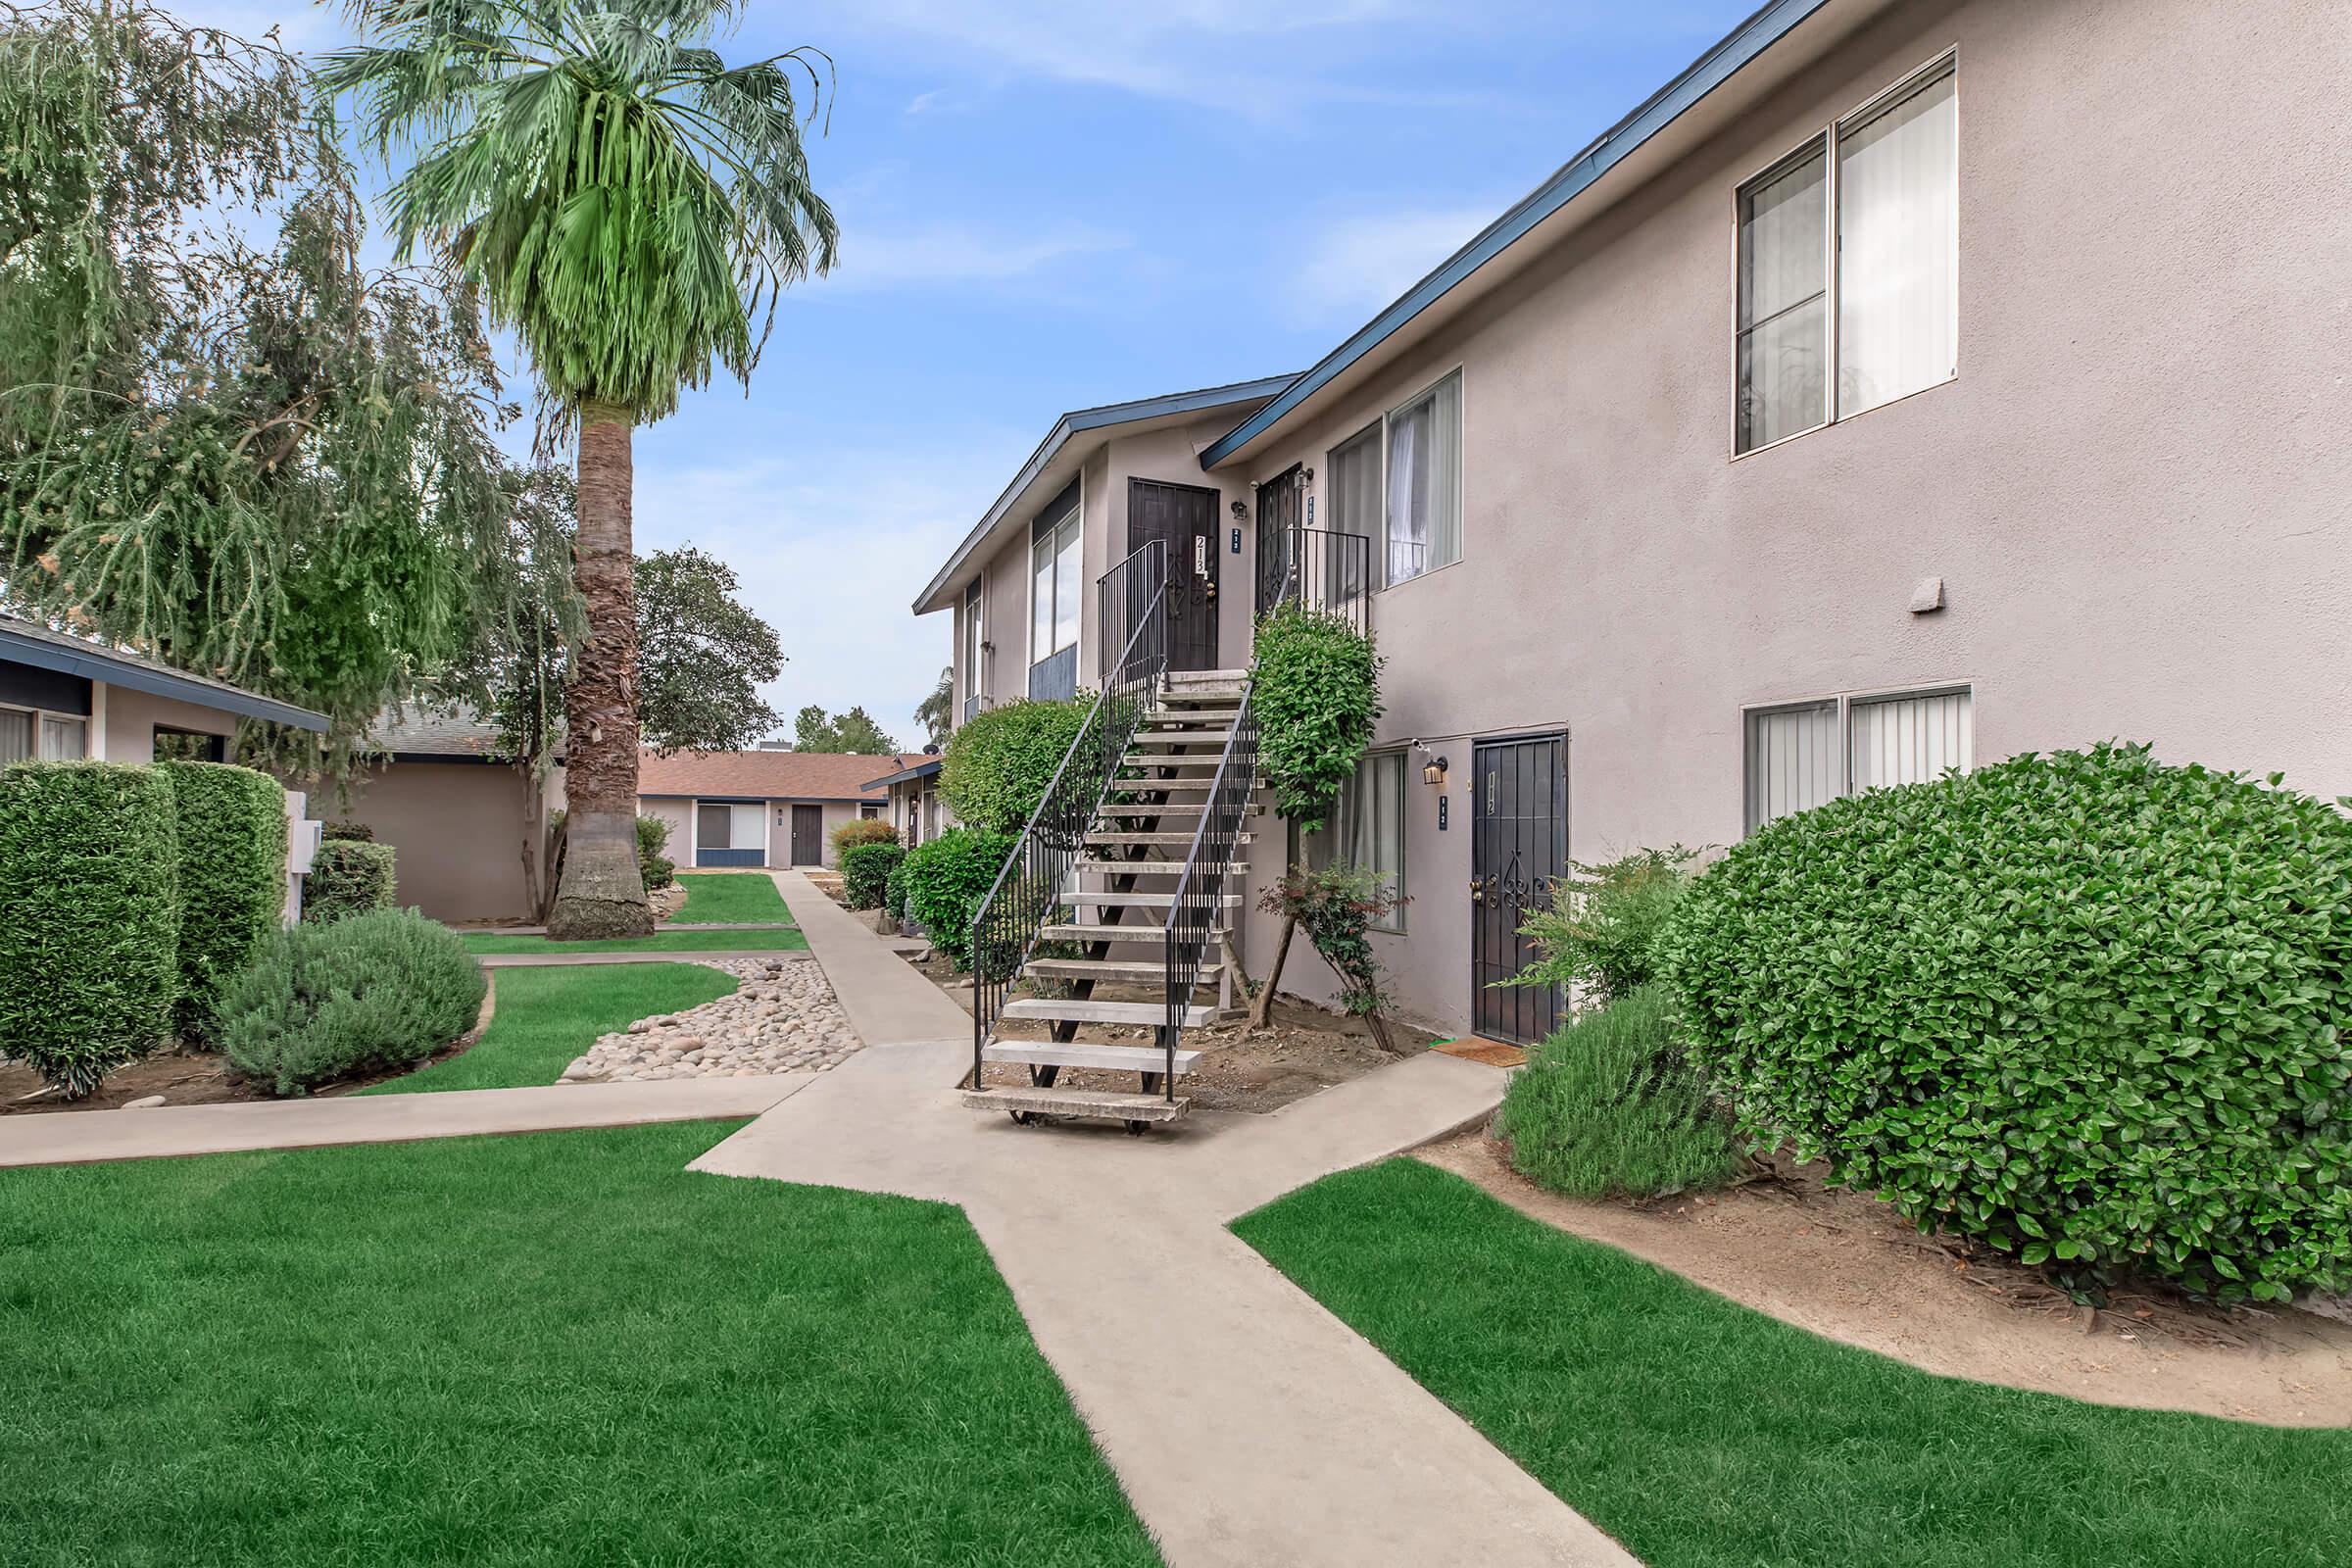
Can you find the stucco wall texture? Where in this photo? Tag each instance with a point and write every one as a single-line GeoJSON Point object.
{"type": "Point", "coordinates": [456, 831]}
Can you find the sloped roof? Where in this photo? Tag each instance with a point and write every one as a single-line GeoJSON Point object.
{"type": "Point", "coordinates": [27, 642]}
{"type": "Point", "coordinates": [770, 775]}
{"type": "Point", "coordinates": [460, 734]}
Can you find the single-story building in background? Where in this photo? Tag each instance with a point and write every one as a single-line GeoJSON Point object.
{"type": "Point", "coordinates": [772, 809]}
{"type": "Point", "coordinates": [455, 812]}
{"type": "Point", "coordinates": [63, 698]}
{"type": "Point", "coordinates": [916, 808]}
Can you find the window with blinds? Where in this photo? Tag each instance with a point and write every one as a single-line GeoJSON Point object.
{"type": "Point", "coordinates": [1802, 754]}
{"type": "Point", "coordinates": [730, 825]}
{"type": "Point", "coordinates": [1850, 259]}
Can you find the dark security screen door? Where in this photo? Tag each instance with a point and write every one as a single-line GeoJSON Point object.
{"type": "Point", "coordinates": [1277, 515]}
{"type": "Point", "coordinates": [807, 835]}
{"type": "Point", "coordinates": [1185, 516]}
{"type": "Point", "coordinates": [1518, 844]}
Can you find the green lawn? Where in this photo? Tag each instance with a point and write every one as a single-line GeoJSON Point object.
{"type": "Point", "coordinates": [784, 939]}
{"type": "Point", "coordinates": [1701, 1433]}
{"type": "Point", "coordinates": [731, 895]}
{"type": "Point", "coordinates": [545, 1017]}
{"type": "Point", "coordinates": [554, 1349]}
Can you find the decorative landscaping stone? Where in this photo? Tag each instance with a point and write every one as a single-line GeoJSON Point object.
{"type": "Point", "coordinates": [143, 1102]}
{"type": "Point", "coordinates": [781, 1018]}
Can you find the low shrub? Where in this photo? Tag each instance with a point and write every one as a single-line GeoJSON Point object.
{"type": "Point", "coordinates": [1316, 693]}
{"type": "Point", "coordinates": [657, 869]}
{"type": "Point", "coordinates": [348, 829]}
{"type": "Point", "coordinates": [2083, 1006]}
{"type": "Point", "coordinates": [945, 880]}
{"type": "Point", "coordinates": [862, 830]}
{"type": "Point", "coordinates": [1339, 906]}
{"type": "Point", "coordinates": [893, 892]}
{"type": "Point", "coordinates": [999, 764]}
{"type": "Point", "coordinates": [865, 872]}
{"type": "Point", "coordinates": [232, 879]}
{"type": "Point", "coordinates": [1610, 1106]}
{"type": "Point", "coordinates": [1601, 933]}
{"type": "Point", "coordinates": [89, 917]}
{"type": "Point", "coordinates": [372, 992]}
{"type": "Point", "coordinates": [348, 877]}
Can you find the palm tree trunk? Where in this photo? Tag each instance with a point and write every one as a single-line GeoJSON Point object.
{"type": "Point", "coordinates": [602, 893]}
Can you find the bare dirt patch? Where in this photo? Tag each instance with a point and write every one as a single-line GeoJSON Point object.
{"type": "Point", "coordinates": [1844, 1266]}
{"type": "Point", "coordinates": [1303, 1049]}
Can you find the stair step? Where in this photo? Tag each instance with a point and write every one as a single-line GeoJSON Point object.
{"type": "Point", "coordinates": [1140, 931]}
{"type": "Point", "coordinates": [1138, 972]}
{"type": "Point", "coordinates": [1162, 867]}
{"type": "Point", "coordinates": [1107, 900]}
{"type": "Point", "coordinates": [1194, 809]}
{"type": "Point", "coordinates": [1114, 1059]}
{"type": "Point", "coordinates": [1079, 1102]}
{"type": "Point", "coordinates": [1182, 840]}
{"type": "Point", "coordinates": [1219, 695]}
{"type": "Point", "coordinates": [1153, 1013]}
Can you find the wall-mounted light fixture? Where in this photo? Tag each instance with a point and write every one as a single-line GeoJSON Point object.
{"type": "Point", "coordinates": [1433, 772]}
{"type": "Point", "coordinates": [1240, 511]}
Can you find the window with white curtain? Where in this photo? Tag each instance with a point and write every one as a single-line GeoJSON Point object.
{"type": "Point", "coordinates": [16, 736]}
{"type": "Point", "coordinates": [64, 738]}
{"type": "Point", "coordinates": [1848, 255]}
{"type": "Point", "coordinates": [1801, 755]}
{"type": "Point", "coordinates": [730, 825]}
{"type": "Point", "coordinates": [30, 735]}
{"type": "Point", "coordinates": [975, 680]}
{"type": "Point", "coordinates": [1054, 581]}
{"type": "Point", "coordinates": [1367, 828]}
{"type": "Point", "coordinates": [1353, 497]}
{"type": "Point", "coordinates": [1422, 520]}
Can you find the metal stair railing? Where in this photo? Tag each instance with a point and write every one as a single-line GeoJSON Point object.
{"type": "Point", "coordinates": [1201, 890]}
{"type": "Point", "coordinates": [1030, 886]}
{"type": "Point", "coordinates": [1329, 572]}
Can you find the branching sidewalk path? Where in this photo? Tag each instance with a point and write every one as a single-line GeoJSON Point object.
{"type": "Point", "coordinates": [1249, 1425]}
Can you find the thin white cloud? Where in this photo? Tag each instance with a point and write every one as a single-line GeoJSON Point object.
{"type": "Point", "coordinates": [1353, 266]}
{"type": "Point", "coordinates": [949, 251]}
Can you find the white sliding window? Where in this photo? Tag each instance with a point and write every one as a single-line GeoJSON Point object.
{"type": "Point", "coordinates": [1806, 753]}
{"type": "Point", "coordinates": [1054, 583]}
{"type": "Point", "coordinates": [1848, 255]}
{"type": "Point", "coordinates": [1423, 517]}
{"type": "Point", "coordinates": [15, 735]}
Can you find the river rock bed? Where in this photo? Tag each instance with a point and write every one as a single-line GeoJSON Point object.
{"type": "Point", "coordinates": [782, 1017]}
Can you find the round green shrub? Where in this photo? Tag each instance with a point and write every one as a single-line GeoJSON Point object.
{"type": "Point", "coordinates": [89, 917]}
{"type": "Point", "coordinates": [893, 892]}
{"type": "Point", "coordinates": [232, 879]}
{"type": "Point", "coordinates": [866, 870]}
{"type": "Point", "coordinates": [999, 764]}
{"type": "Point", "coordinates": [1316, 693]}
{"type": "Point", "coordinates": [945, 880]}
{"type": "Point", "coordinates": [655, 869]}
{"type": "Point", "coordinates": [2084, 1006]}
{"type": "Point", "coordinates": [360, 995]}
{"type": "Point", "coordinates": [348, 877]}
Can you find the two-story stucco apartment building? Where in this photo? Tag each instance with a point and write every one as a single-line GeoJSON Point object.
{"type": "Point", "coordinates": [1907, 384]}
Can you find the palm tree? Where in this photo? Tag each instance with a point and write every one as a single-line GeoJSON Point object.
{"type": "Point", "coordinates": [937, 712]}
{"type": "Point", "coordinates": [630, 205]}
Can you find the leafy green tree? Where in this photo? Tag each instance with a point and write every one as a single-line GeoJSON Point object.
{"type": "Point", "coordinates": [815, 730]}
{"type": "Point", "coordinates": [701, 654]}
{"type": "Point", "coordinates": [221, 440]}
{"type": "Point", "coordinates": [632, 207]}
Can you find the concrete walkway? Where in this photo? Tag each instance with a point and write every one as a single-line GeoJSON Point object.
{"type": "Point", "coordinates": [1248, 1424]}
{"type": "Point", "coordinates": [79, 1137]}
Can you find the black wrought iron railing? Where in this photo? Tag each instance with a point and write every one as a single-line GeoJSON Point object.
{"type": "Point", "coordinates": [1201, 891]}
{"type": "Point", "coordinates": [1326, 570]}
{"type": "Point", "coordinates": [1128, 597]}
{"type": "Point", "coordinates": [1029, 889]}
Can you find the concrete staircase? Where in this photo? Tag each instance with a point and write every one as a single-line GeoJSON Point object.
{"type": "Point", "coordinates": [1105, 958]}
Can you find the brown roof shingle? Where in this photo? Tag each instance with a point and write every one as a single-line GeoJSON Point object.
{"type": "Point", "coordinates": [769, 775]}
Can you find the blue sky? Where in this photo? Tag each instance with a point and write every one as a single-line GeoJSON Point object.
{"type": "Point", "coordinates": [1048, 203]}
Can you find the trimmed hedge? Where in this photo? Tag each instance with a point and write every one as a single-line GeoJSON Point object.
{"type": "Point", "coordinates": [1316, 693]}
{"type": "Point", "coordinates": [360, 995]}
{"type": "Point", "coordinates": [89, 883]}
{"type": "Point", "coordinates": [2083, 1006]}
{"type": "Point", "coordinates": [348, 877]}
{"type": "Point", "coordinates": [999, 764]}
{"type": "Point", "coordinates": [865, 871]}
{"type": "Point", "coordinates": [232, 879]}
{"type": "Point", "coordinates": [945, 880]}
{"type": "Point", "coordinates": [894, 892]}
{"type": "Point", "coordinates": [862, 830]}
{"type": "Point", "coordinates": [1609, 1106]}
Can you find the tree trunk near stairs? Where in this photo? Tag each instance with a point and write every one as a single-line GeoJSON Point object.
{"type": "Point", "coordinates": [1263, 1007]}
{"type": "Point", "coordinates": [602, 893]}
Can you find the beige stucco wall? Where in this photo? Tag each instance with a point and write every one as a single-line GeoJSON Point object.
{"type": "Point", "coordinates": [2135, 491]}
{"type": "Point", "coordinates": [456, 829]}
{"type": "Point", "coordinates": [131, 717]}
{"type": "Point", "coordinates": [679, 815]}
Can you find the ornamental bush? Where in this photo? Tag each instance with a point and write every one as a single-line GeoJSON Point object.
{"type": "Point", "coordinates": [373, 992]}
{"type": "Point", "coordinates": [945, 880]}
{"type": "Point", "coordinates": [2084, 1006]}
{"type": "Point", "coordinates": [232, 879]}
{"type": "Point", "coordinates": [999, 764]}
{"type": "Point", "coordinates": [1315, 692]}
{"type": "Point", "coordinates": [1610, 1106]}
{"type": "Point", "coordinates": [893, 892]}
{"type": "Point", "coordinates": [655, 869]}
{"type": "Point", "coordinates": [862, 830]}
{"type": "Point", "coordinates": [1601, 933]}
{"type": "Point", "coordinates": [866, 870]}
{"type": "Point", "coordinates": [347, 877]}
{"type": "Point", "coordinates": [89, 917]}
